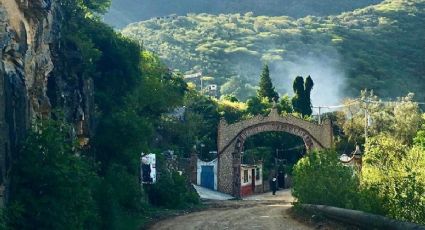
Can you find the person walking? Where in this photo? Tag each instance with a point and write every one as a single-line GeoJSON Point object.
{"type": "Point", "coordinates": [273, 185]}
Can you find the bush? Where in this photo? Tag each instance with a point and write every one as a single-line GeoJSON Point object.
{"type": "Point", "coordinates": [52, 184]}
{"type": "Point", "coordinates": [2, 219]}
{"type": "Point", "coordinates": [396, 174]}
{"type": "Point", "coordinates": [392, 182]}
{"type": "Point", "coordinates": [172, 191]}
{"type": "Point", "coordinates": [319, 178]}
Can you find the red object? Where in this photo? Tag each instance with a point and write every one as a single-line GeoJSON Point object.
{"type": "Point", "coordinates": [246, 190]}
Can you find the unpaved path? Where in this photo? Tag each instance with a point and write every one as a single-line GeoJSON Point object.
{"type": "Point", "coordinates": [256, 212]}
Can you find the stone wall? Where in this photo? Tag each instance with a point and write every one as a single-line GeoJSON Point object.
{"type": "Point", "coordinates": [231, 138]}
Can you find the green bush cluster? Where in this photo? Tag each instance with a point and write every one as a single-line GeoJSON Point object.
{"type": "Point", "coordinates": [319, 178]}
{"type": "Point", "coordinates": [391, 183]}
{"type": "Point", "coordinates": [172, 191]}
{"type": "Point", "coordinates": [396, 173]}
{"type": "Point", "coordinates": [53, 183]}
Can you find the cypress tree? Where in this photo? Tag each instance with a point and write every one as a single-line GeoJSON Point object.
{"type": "Point", "coordinates": [308, 88]}
{"type": "Point", "coordinates": [266, 86]}
{"type": "Point", "coordinates": [302, 100]}
{"type": "Point", "coordinates": [298, 87]}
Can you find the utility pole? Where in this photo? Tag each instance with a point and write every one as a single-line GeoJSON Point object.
{"type": "Point", "coordinates": [365, 126]}
{"type": "Point", "coordinates": [320, 116]}
{"type": "Point", "coordinates": [320, 112]}
{"type": "Point", "coordinates": [366, 120]}
{"type": "Point", "coordinates": [202, 85]}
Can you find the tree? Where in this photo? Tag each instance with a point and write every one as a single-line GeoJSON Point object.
{"type": "Point", "coordinates": [258, 105]}
{"type": "Point", "coordinates": [266, 86]}
{"type": "Point", "coordinates": [401, 119]}
{"type": "Point", "coordinates": [308, 88]}
{"type": "Point", "coordinates": [301, 102]}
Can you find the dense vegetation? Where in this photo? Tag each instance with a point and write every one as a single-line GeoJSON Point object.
{"type": "Point", "coordinates": [366, 48]}
{"type": "Point", "coordinates": [124, 12]}
{"type": "Point", "coordinates": [138, 100]}
{"type": "Point", "coordinates": [52, 180]}
{"type": "Point", "coordinates": [57, 184]}
{"type": "Point", "coordinates": [392, 178]}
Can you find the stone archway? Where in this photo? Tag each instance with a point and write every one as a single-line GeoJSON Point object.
{"type": "Point", "coordinates": [231, 138]}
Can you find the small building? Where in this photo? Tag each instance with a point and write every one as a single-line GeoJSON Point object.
{"type": "Point", "coordinates": [212, 90]}
{"type": "Point", "coordinates": [207, 174]}
{"type": "Point", "coordinates": [251, 179]}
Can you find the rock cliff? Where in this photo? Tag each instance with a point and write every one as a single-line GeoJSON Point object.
{"type": "Point", "coordinates": [33, 79]}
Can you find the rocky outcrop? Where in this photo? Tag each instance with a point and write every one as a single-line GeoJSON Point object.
{"type": "Point", "coordinates": [33, 81]}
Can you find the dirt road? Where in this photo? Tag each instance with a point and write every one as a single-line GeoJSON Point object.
{"type": "Point", "coordinates": [256, 212]}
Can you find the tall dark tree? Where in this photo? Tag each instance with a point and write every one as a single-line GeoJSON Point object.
{"type": "Point", "coordinates": [308, 86]}
{"type": "Point", "coordinates": [301, 102]}
{"type": "Point", "coordinates": [297, 99]}
{"type": "Point", "coordinates": [266, 86]}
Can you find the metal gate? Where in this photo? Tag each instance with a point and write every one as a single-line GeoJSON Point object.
{"type": "Point", "coordinates": [207, 177]}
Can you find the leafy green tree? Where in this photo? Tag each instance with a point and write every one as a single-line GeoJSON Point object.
{"type": "Point", "coordinates": [407, 119]}
{"type": "Point", "coordinates": [266, 86]}
{"type": "Point", "coordinates": [308, 88]}
{"type": "Point", "coordinates": [258, 105]}
{"type": "Point", "coordinates": [198, 125]}
{"type": "Point", "coordinates": [401, 119]}
{"type": "Point", "coordinates": [419, 140]}
{"type": "Point", "coordinates": [301, 102]}
{"type": "Point", "coordinates": [285, 105]}
{"type": "Point", "coordinates": [396, 172]}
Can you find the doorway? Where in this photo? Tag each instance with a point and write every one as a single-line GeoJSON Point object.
{"type": "Point", "coordinates": [253, 180]}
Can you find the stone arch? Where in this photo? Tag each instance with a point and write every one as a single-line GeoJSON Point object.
{"type": "Point", "coordinates": [231, 138]}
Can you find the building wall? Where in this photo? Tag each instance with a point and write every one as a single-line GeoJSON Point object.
{"type": "Point", "coordinates": [246, 181]}
{"type": "Point", "coordinates": [246, 186]}
{"type": "Point", "coordinates": [199, 170]}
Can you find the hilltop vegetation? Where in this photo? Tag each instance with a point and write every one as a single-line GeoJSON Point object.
{"type": "Point", "coordinates": [124, 12]}
{"type": "Point", "coordinates": [379, 47]}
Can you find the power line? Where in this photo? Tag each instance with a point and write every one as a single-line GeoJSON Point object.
{"type": "Point", "coordinates": [357, 101]}
{"type": "Point", "coordinates": [337, 106]}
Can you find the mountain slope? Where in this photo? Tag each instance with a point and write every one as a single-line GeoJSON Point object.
{"type": "Point", "coordinates": [124, 12]}
{"type": "Point", "coordinates": [380, 47]}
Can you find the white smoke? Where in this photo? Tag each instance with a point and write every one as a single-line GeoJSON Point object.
{"type": "Point", "coordinates": [325, 70]}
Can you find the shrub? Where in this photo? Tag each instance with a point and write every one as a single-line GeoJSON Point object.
{"type": "Point", "coordinates": [319, 178]}
{"type": "Point", "coordinates": [52, 184]}
{"type": "Point", "coordinates": [396, 174]}
{"type": "Point", "coordinates": [172, 191]}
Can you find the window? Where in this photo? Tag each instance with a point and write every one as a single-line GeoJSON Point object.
{"type": "Point", "coordinates": [257, 174]}
{"type": "Point", "coordinates": [245, 176]}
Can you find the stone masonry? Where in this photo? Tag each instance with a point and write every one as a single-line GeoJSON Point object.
{"type": "Point", "coordinates": [231, 138]}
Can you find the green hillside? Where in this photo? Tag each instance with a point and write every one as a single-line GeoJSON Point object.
{"type": "Point", "coordinates": [123, 12]}
{"type": "Point", "coordinates": [380, 47]}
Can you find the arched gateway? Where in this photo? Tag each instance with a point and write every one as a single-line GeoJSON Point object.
{"type": "Point", "coordinates": [231, 138]}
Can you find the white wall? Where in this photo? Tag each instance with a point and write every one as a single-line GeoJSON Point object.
{"type": "Point", "coordinates": [249, 168]}
{"type": "Point", "coordinates": [243, 168]}
{"type": "Point", "coordinates": [199, 168]}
